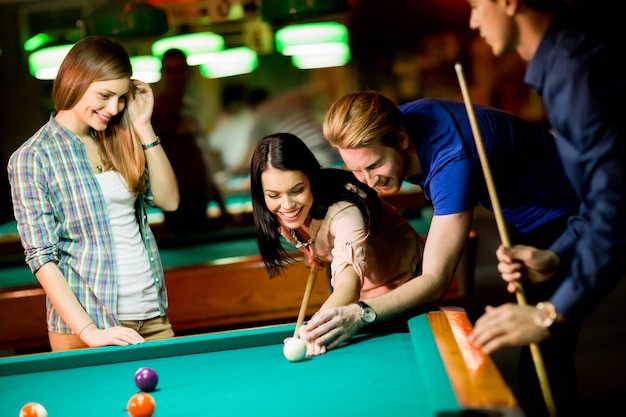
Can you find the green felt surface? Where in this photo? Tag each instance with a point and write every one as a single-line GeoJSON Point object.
{"type": "Point", "coordinates": [240, 373]}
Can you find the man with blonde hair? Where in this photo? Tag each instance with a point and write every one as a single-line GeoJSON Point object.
{"type": "Point", "coordinates": [430, 143]}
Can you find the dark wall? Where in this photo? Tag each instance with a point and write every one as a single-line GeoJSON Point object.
{"type": "Point", "coordinates": [380, 29]}
{"type": "Point", "coordinates": [21, 108]}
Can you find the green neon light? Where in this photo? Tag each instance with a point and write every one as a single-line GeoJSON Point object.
{"type": "Point", "coordinates": [146, 68]}
{"type": "Point", "coordinates": [310, 61]}
{"type": "Point", "coordinates": [44, 63]}
{"type": "Point", "coordinates": [191, 43]}
{"type": "Point", "coordinates": [37, 41]}
{"type": "Point", "coordinates": [230, 62]}
{"type": "Point", "coordinates": [303, 35]}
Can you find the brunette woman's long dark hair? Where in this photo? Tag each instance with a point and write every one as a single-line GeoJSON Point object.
{"type": "Point", "coordinates": [287, 152]}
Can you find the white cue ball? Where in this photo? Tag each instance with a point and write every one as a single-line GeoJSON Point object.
{"type": "Point", "coordinates": [294, 349]}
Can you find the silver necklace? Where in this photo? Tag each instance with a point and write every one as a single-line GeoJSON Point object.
{"type": "Point", "coordinates": [298, 243]}
{"type": "Point", "coordinates": [95, 139]}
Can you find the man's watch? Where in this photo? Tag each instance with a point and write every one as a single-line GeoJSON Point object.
{"type": "Point", "coordinates": [368, 315]}
{"type": "Point", "coordinates": [546, 315]}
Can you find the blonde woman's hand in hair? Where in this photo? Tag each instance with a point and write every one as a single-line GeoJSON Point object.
{"type": "Point", "coordinates": [140, 103]}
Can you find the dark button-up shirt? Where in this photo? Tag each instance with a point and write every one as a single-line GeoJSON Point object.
{"type": "Point", "coordinates": [577, 71]}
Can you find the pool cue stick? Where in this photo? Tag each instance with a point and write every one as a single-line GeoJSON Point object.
{"type": "Point", "coordinates": [504, 237]}
{"type": "Point", "coordinates": [307, 294]}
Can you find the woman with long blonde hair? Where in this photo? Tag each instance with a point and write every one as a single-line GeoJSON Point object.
{"type": "Point", "coordinates": [79, 187]}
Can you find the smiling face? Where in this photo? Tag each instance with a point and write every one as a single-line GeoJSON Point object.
{"type": "Point", "coordinates": [287, 195]}
{"type": "Point", "coordinates": [380, 167]}
{"type": "Point", "coordinates": [101, 101]}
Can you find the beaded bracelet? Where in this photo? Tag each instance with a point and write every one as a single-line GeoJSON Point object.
{"type": "Point", "coordinates": [152, 145]}
{"type": "Point", "coordinates": [88, 324]}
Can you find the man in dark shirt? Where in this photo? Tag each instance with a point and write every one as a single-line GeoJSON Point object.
{"type": "Point", "coordinates": [573, 58]}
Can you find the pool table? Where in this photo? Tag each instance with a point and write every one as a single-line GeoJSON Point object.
{"type": "Point", "coordinates": [214, 285]}
{"type": "Point", "coordinates": [426, 368]}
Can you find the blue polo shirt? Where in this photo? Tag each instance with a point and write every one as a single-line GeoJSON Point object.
{"type": "Point", "coordinates": [529, 179]}
{"type": "Point", "coordinates": [578, 73]}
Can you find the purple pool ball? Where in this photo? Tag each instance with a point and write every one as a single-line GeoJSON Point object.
{"type": "Point", "coordinates": [146, 379]}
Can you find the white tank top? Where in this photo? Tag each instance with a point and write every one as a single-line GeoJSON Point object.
{"type": "Point", "coordinates": [137, 297]}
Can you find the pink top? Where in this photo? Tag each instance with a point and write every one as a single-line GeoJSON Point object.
{"type": "Point", "coordinates": [383, 261]}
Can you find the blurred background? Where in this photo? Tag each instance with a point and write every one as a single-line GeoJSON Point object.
{"type": "Point", "coordinates": [404, 48]}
